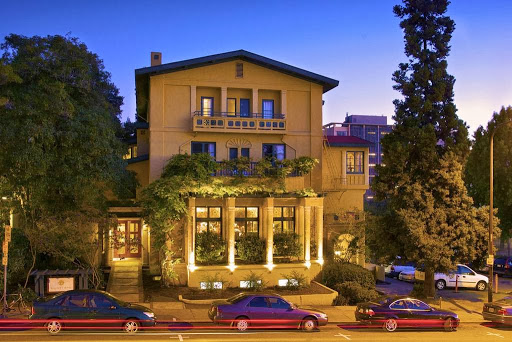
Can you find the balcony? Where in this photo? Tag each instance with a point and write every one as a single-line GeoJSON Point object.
{"type": "Point", "coordinates": [236, 122]}
{"type": "Point", "coordinates": [224, 171]}
{"type": "Point", "coordinates": [355, 181]}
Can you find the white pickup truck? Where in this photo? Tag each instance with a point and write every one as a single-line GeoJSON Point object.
{"type": "Point", "coordinates": [462, 277]}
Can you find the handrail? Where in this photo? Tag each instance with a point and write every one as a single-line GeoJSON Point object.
{"type": "Point", "coordinates": [240, 115]}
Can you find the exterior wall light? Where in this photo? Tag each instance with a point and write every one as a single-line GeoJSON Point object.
{"type": "Point", "coordinates": [231, 267]}
{"type": "Point", "coordinates": [320, 261]}
{"type": "Point", "coordinates": [192, 267]}
{"type": "Point", "coordinates": [270, 266]}
{"type": "Point", "coordinates": [307, 264]}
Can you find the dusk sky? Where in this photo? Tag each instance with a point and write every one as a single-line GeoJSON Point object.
{"type": "Point", "coordinates": [358, 43]}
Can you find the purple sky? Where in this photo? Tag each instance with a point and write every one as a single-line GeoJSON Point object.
{"type": "Point", "coordinates": [358, 43]}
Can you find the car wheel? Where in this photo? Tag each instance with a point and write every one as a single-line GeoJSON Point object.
{"type": "Point", "coordinates": [450, 325]}
{"type": "Point", "coordinates": [309, 324]}
{"type": "Point", "coordinates": [53, 326]}
{"type": "Point", "coordinates": [440, 284]}
{"type": "Point", "coordinates": [390, 325]}
{"type": "Point", "coordinates": [241, 323]}
{"type": "Point", "coordinates": [131, 326]}
{"type": "Point", "coordinates": [481, 285]}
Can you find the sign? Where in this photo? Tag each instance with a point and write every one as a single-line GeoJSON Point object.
{"type": "Point", "coordinates": [4, 260]}
{"type": "Point", "coordinates": [60, 284]}
{"type": "Point", "coordinates": [8, 233]}
{"type": "Point", "coordinates": [490, 260]}
{"type": "Point", "coordinates": [5, 248]}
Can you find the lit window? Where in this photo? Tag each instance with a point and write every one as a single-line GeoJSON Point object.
{"type": "Point", "coordinates": [284, 220]}
{"type": "Point", "coordinates": [246, 221]}
{"type": "Point", "coordinates": [355, 162]}
{"type": "Point", "coordinates": [209, 219]}
{"type": "Point", "coordinates": [231, 107]}
{"type": "Point", "coordinates": [276, 151]}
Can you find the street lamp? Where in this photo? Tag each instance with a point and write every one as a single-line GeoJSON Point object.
{"type": "Point", "coordinates": [491, 209]}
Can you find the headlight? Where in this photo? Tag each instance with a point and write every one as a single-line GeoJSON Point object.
{"type": "Point", "coordinates": [321, 315]}
{"type": "Point", "coordinates": [149, 314]}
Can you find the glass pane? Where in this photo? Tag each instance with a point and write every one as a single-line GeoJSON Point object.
{"type": "Point", "coordinates": [211, 149]}
{"type": "Point", "coordinates": [214, 212]}
{"type": "Point", "coordinates": [201, 212]}
{"type": "Point", "coordinates": [278, 211]}
{"type": "Point", "coordinates": [207, 104]}
{"type": "Point", "coordinates": [133, 227]}
{"type": "Point", "coordinates": [288, 212]}
{"type": "Point", "coordinates": [268, 109]}
{"type": "Point", "coordinates": [252, 212]}
{"type": "Point", "coordinates": [233, 153]}
{"type": "Point", "coordinates": [214, 227]}
{"type": "Point", "coordinates": [245, 152]}
{"type": "Point", "coordinates": [240, 212]}
{"type": "Point", "coordinates": [288, 227]}
{"type": "Point", "coordinates": [279, 152]}
{"type": "Point", "coordinates": [239, 229]}
{"type": "Point", "coordinates": [201, 227]}
{"type": "Point", "coordinates": [252, 227]}
{"type": "Point", "coordinates": [350, 161]}
{"type": "Point", "coordinates": [244, 107]}
{"type": "Point", "coordinates": [231, 107]}
{"type": "Point", "coordinates": [278, 227]}
{"type": "Point", "coordinates": [267, 150]}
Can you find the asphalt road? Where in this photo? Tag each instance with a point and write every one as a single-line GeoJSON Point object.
{"type": "Point", "coordinates": [332, 332]}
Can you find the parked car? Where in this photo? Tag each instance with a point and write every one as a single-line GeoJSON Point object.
{"type": "Point", "coordinates": [90, 308]}
{"type": "Point", "coordinates": [503, 266]}
{"type": "Point", "coordinates": [405, 312]}
{"type": "Point", "coordinates": [399, 265]}
{"type": "Point", "coordinates": [463, 276]}
{"type": "Point", "coordinates": [499, 311]}
{"type": "Point", "coordinates": [256, 310]}
{"type": "Point", "coordinates": [407, 276]}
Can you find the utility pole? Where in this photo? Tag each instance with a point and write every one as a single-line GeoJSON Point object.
{"type": "Point", "coordinates": [5, 250]}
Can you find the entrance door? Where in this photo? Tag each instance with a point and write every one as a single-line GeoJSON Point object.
{"type": "Point", "coordinates": [128, 239]}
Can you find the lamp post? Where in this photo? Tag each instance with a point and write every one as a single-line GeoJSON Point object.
{"type": "Point", "coordinates": [491, 208]}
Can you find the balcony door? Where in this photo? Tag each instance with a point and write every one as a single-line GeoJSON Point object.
{"type": "Point", "coordinates": [127, 241]}
{"type": "Point", "coordinates": [268, 109]}
{"type": "Point", "coordinates": [244, 108]}
{"type": "Point", "coordinates": [207, 106]}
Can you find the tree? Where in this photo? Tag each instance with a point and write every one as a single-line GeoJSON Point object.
{"type": "Point", "coordinates": [429, 217]}
{"type": "Point", "coordinates": [477, 168]}
{"type": "Point", "coordinates": [59, 153]}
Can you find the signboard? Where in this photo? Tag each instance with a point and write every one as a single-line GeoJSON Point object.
{"type": "Point", "coordinates": [60, 284]}
{"type": "Point", "coordinates": [490, 260]}
{"type": "Point", "coordinates": [8, 233]}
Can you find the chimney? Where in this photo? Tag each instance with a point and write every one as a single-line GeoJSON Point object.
{"type": "Point", "coordinates": [156, 58]}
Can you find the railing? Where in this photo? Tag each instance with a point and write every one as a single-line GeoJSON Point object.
{"type": "Point", "coordinates": [250, 172]}
{"type": "Point", "coordinates": [250, 123]}
{"type": "Point", "coordinates": [340, 183]}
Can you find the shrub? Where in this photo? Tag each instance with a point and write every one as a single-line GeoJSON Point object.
{"type": "Point", "coordinates": [351, 293]}
{"type": "Point", "coordinates": [295, 280]}
{"type": "Point", "coordinates": [255, 282]}
{"type": "Point", "coordinates": [417, 290]}
{"type": "Point", "coordinates": [336, 273]}
{"type": "Point", "coordinates": [304, 165]}
{"type": "Point", "coordinates": [209, 248]}
{"type": "Point", "coordinates": [287, 245]}
{"type": "Point", "coordinates": [238, 167]}
{"type": "Point", "coordinates": [251, 248]}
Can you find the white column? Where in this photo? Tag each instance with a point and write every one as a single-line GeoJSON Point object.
{"type": "Point", "coordinates": [307, 234]}
{"type": "Point", "coordinates": [191, 233]}
{"type": "Point", "coordinates": [223, 99]}
{"type": "Point", "coordinates": [367, 166]}
{"type": "Point", "coordinates": [255, 101]}
{"type": "Point", "coordinates": [231, 230]}
{"type": "Point", "coordinates": [283, 103]}
{"type": "Point", "coordinates": [192, 99]}
{"type": "Point", "coordinates": [300, 228]}
{"type": "Point", "coordinates": [269, 208]}
{"type": "Point", "coordinates": [320, 233]}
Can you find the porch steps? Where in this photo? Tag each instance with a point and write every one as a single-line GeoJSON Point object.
{"type": "Point", "coordinates": [125, 281]}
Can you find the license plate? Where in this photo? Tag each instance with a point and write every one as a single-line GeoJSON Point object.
{"type": "Point", "coordinates": [490, 309]}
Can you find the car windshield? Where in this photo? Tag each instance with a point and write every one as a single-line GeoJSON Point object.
{"type": "Point", "coordinates": [236, 298]}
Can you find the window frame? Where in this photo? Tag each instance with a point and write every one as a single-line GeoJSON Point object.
{"type": "Point", "coordinates": [208, 219]}
{"type": "Point", "coordinates": [204, 143]}
{"type": "Point", "coordinates": [356, 171]}
{"type": "Point", "coordinates": [274, 151]}
{"type": "Point", "coordinates": [264, 115]}
{"type": "Point", "coordinates": [243, 114]}
{"type": "Point", "coordinates": [246, 219]}
{"type": "Point", "coordinates": [202, 105]}
{"type": "Point", "coordinates": [283, 219]}
{"type": "Point", "coordinates": [228, 113]}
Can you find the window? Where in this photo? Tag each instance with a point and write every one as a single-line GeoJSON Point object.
{"type": "Point", "coordinates": [276, 151]}
{"type": "Point", "coordinates": [268, 109]}
{"type": "Point", "coordinates": [284, 220]}
{"type": "Point", "coordinates": [244, 151]}
{"type": "Point", "coordinates": [239, 70]}
{"type": "Point", "coordinates": [78, 300]}
{"type": "Point", "coordinates": [258, 302]}
{"type": "Point", "coordinates": [246, 221]}
{"type": "Point", "coordinates": [355, 162]}
{"type": "Point", "coordinates": [244, 108]}
{"type": "Point", "coordinates": [98, 301]}
{"type": "Point", "coordinates": [203, 147]}
{"type": "Point", "coordinates": [209, 219]}
{"type": "Point", "coordinates": [464, 270]}
{"type": "Point", "coordinates": [206, 106]}
{"type": "Point", "coordinates": [278, 303]}
{"type": "Point", "coordinates": [399, 304]}
{"type": "Point", "coordinates": [231, 107]}
{"type": "Point", "coordinates": [233, 153]}
{"type": "Point", "coordinates": [415, 304]}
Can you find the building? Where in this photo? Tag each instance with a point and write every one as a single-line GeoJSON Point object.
{"type": "Point", "coordinates": [230, 105]}
{"type": "Point", "coordinates": [368, 127]}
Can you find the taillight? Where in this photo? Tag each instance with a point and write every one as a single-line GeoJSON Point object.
{"type": "Point", "coordinates": [502, 312]}
{"type": "Point", "coordinates": [32, 311]}
{"type": "Point", "coordinates": [393, 268]}
{"type": "Point", "coordinates": [370, 312]}
{"type": "Point", "coordinates": [219, 310]}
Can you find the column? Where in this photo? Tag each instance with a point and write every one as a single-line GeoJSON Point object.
{"type": "Point", "coordinates": [230, 204]}
{"type": "Point", "coordinates": [366, 166]}
{"type": "Point", "coordinates": [307, 233]}
{"type": "Point", "coordinates": [255, 103]}
{"type": "Point", "coordinates": [223, 99]}
{"type": "Point", "coordinates": [320, 233]}
{"type": "Point", "coordinates": [343, 167]}
{"type": "Point", "coordinates": [283, 103]}
{"type": "Point", "coordinates": [192, 100]}
{"type": "Point", "coordinates": [300, 228]}
{"type": "Point", "coordinates": [269, 208]}
{"type": "Point", "coordinates": [190, 236]}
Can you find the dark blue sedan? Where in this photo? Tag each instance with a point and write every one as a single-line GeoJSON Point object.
{"type": "Point", "coordinates": [249, 310]}
{"type": "Point", "coordinates": [405, 312]}
{"type": "Point", "coordinates": [90, 309]}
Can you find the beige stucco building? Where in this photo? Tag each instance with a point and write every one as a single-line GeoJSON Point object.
{"type": "Point", "coordinates": [232, 105]}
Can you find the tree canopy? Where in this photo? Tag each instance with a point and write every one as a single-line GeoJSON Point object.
{"type": "Point", "coordinates": [59, 125]}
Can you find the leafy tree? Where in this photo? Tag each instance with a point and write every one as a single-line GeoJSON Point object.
{"type": "Point", "coordinates": [429, 217]}
{"type": "Point", "coordinates": [59, 153]}
{"type": "Point", "coordinates": [477, 168]}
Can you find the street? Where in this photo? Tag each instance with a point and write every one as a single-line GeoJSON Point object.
{"type": "Point", "coordinates": [332, 332]}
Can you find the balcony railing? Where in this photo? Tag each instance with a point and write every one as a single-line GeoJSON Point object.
{"type": "Point", "coordinates": [224, 171]}
{"type": "Point", "coordinates": [251, 122]}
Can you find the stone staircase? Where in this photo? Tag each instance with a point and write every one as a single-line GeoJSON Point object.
{"type": "Point", "coordinates": [125, 281]}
